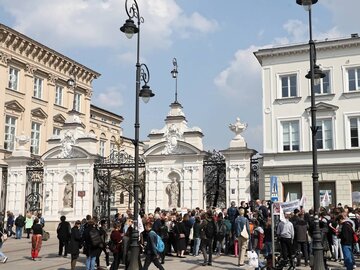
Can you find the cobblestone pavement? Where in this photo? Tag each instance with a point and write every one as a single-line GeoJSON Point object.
{"type": "Point", "coordinates": [18, 252]}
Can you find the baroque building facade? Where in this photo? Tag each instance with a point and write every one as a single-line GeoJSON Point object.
{"type": "Point", "coordinates": [287, 152]}
{"type": "Point", "coordinates": [36, 101]}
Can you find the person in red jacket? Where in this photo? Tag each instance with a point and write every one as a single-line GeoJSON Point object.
{"type": "Point", "coordinates": [116, 237]}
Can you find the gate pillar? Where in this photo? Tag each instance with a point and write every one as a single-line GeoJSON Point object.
{"type": "Point", "coordinates": [238, 166]}
{"type": "Point", "coordinates": [16, 180]}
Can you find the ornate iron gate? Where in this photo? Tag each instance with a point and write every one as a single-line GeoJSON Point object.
{"type": "Point", "coordinates": [34, 185]}
{"type": "Point", "coordinates": [116, 173]}
{"type": "Point", "coordinates": [215, 180]}
{"type": "Point", "coordinates": [3, 189]}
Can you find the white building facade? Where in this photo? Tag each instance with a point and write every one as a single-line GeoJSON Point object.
{"type": "Point", "coordinates": [287, 152]}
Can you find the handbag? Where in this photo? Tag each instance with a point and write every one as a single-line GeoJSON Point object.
{"type": "Point", "coordinates": [3, 236]}
{"type": "Point", "coordinates": [253, 259]}
{"type": "Point", "coordinates": [244, 233]}
{"type": "Point", "coordinates": [191, 235]}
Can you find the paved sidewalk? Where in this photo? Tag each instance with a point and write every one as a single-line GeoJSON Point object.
{"type": "Point", "coordinates": [19, 252]}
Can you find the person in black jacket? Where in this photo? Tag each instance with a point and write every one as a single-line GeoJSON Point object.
{"type": "Point", "coordinates": [346, 236]}
{"type": "Point", "coordinates": [151, 254]}
{"type": "Point", "coordinates": [19, 223]}
{"type": "Point", "coordinates": [63, 234]}
{"type": "Point", "coordinates": [207, 234]}
{"type": "Point", "coordinates": [92, 249]}
{"type": "Point", "coordinates": [75, 244]}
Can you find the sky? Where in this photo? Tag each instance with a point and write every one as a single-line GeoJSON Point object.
{"type": "Point", "coordinates": [213, 41]}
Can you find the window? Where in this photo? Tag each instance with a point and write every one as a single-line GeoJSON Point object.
{"type": "Point", "coordinates": [77, 104]}
{"type": "Point", "coordinates": [35, 138]}
{"type": "Point", "coordinates": [112, 147]}
{"type": "Point", "coordinates": [58, 95]}
{"type": "Point", "coordinates": [290, 135]}
{"type": "Point", "coordinates": [354, 79]}
{"type": "Point", "coordinates": [13, 78]}
{"type": "Point", "coordinates": [10, 131]}
{"type": "Point", "coordinates": [122, 198]}
{"type": "Point", "coordinates": [38, 84]}
{"type": "Point", "coordinates": [354, 131]}
{"type": "Point", "coordinates": [324, 135]}
{"type": "Point", "coordinates": [102, 148]}
{"type": "Point", "coordinates": [56, 131]}
{"type": "Point", "coordinates": [288, 86]}
{"type": "Point", "coordinates": [292, 190]}
{"type": "Point", "coordinates": [324, 86]}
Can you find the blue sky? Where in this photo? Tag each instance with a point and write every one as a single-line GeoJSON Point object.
{"type": "Point", "coordinates": [213, 41]}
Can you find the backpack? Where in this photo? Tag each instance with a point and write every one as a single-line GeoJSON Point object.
{"type": "Point", "coordinates": [210, 229]}
{"type": "Point", "coordinates": [222, 230]}
{"type": "Point", "coordinates": [112, 245]}
{"type": "Point", "coordinates": [95, 238]}
{"type": "Point", "coordinates": [160, 246]}
{"type": "Point", "coordinates": [164, 234]}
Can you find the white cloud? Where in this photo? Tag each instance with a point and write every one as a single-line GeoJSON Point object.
{"type": "Point", "coordinates": [110, 98]}
{"type": "Point", "coordinates": [242, 77]}
{"type": "Point", "coordinates": [94, 23]}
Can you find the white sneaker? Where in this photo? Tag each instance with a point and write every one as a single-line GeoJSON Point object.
{"type": "Point", "coordinates": [108, 267]}
{"type": "Point", "coordinates": [5, 259]}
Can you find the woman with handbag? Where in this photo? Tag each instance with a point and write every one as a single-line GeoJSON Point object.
{"type": "Point", "coordinates": [242, 232]}
{"type": "Point", "coordinates": [180, 233]}
{"type": "Point", "coordinates": [3, 237]}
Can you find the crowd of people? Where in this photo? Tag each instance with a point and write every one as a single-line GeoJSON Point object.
{"type": "Point", "coordinates": [198, 232]}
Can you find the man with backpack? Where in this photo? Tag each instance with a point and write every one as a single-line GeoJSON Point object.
{"type": "Point", "coordinates": [93, 244]}
{"type": "Point", "coordinates": [153, 248]}
{"type": "Point", "coordinates": [221, 233]}
{"type": "Point", "coordinates": [207, 234]}
{"type": "Point", "coordinates": [63, 234]}
{"type": "Point", "coordinates": [19, 223]}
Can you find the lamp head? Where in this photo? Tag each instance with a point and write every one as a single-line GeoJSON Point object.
{"type": "Point", "coordinates": [71, 82]}
{"type": "Point", "coordinates": [146, 93]}
{"type": "Point", "coordinates": [318, 74]}
{"type": "Point", "coordinates": [174, 73]}
{"type": "Point", "coordinates": [129, 28]}
{"type": "Point", "coordinates": [306, 3]}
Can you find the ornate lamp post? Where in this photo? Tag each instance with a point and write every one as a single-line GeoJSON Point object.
{"type": "Point", "coordinates": [142, 73]}
{"type": "Point", "coordinates": [315, 74]}
{"type": "Point", "coordinates": [174, 74]}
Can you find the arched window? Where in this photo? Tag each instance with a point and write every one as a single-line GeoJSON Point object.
{"type": "Point", "coordinates": [122, 199]}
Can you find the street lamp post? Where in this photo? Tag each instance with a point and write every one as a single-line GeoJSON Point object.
{"type": "Point", "coordinates": [142, 73]}
{"type": "Point", "coordinates": [314, 74]}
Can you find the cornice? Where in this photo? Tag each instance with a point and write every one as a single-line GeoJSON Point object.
{"type": "Point", "coordinates": [41, 55]}
{"type": "Point", "coordinates": [299, 49]}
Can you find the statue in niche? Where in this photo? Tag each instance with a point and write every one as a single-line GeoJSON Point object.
{"type": "Point", "coordinates": [68, 195]}
{"type": "Point", "coordinates": [173, 191]}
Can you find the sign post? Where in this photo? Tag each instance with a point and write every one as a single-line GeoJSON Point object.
{"type": "Point", "coordinates": [274, 191]}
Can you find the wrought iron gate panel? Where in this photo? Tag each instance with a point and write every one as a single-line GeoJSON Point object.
{"type": "Point", "coordinates": [215, 180]}
{"type": "Point", "coordinates": [3, 189]}
{"type": "Point", "coordinates": [34, 185]}
{"type": "Point", "coordinates": [115, 173]}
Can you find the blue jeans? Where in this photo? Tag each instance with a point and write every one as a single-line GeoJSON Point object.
{"type": "Point", "coordinates": [196, 246]}
{"type": "Point", "coordinates": [19, 231]}
{"type": "Point", "coordinates": [2, 255]}
{"type": "Point", "coordinates": [90, 263]}
{"type": "Point", "coordinates": [348, 256]}
{"type": "Point", "coordinates": [268, 249]}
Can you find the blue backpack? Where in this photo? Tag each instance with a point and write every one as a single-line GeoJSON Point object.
{"type": "Point", "coordinates": [160, 246]}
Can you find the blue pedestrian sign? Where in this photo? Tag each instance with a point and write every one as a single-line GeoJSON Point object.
{"type": "Point", "coordinates": [274, 191]}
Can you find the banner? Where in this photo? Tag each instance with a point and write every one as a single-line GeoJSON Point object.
{"type": "Point", "coordinates": [290, 206]}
